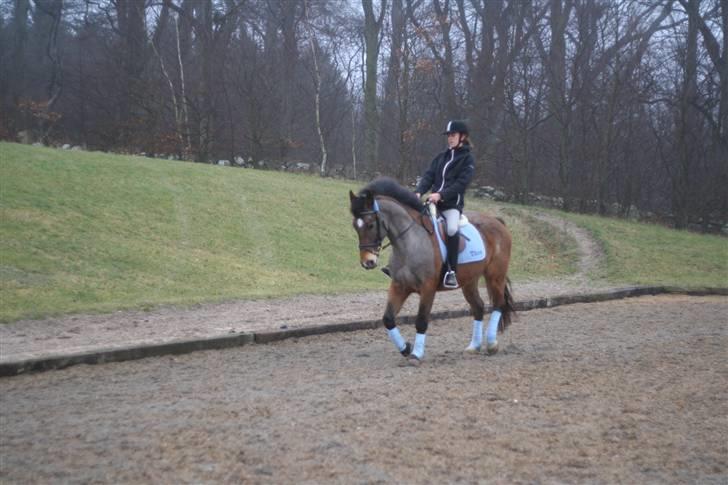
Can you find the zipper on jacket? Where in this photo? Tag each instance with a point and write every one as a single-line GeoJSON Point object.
{"type": "Point", "coordinates": [452, 157]}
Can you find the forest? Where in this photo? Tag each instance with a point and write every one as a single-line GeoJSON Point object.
{"type": "Point", "coordinates": [615, 107]}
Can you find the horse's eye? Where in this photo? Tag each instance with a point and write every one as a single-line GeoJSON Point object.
{"type": "Point", "coordinates": [370, 226]}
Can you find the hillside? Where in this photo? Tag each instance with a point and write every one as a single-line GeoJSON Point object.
{"type": "Point", "coordinates": [88, 231]}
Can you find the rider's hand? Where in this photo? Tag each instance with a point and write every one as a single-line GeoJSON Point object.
{"type": "Point", "coordinates": [434, 198]}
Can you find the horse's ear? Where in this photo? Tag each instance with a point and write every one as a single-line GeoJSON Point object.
{"type": "Point", "coordinates": [369, 195]}
{"type": "Point", "coordinates": [351, 196]}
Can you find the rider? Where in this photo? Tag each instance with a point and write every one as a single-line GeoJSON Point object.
{"type": "Point", "coordinates": [448, 176]}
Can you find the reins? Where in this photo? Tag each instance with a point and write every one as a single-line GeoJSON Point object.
{"type": "Point", "coordinates": [392, 239]}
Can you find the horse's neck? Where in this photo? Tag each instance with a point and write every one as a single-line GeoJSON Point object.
{"type": "Point", "coordinates": [412, 251]}
{"type": "Point", "coordinates": [395, 215]}
{"type": "Point", "coordinates": [399, 219]}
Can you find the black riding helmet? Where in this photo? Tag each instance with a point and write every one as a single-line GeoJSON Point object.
{"type": "Point", "coordinates": [456, 126]}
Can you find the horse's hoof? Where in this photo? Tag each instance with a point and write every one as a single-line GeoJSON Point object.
{"type": "Point", "coordinates": [472, 349]}
{"type": "Point", "coordinates": [407, 349]}
{"type": "Point", "coordinates": [410, 361]}
{"type": "Point", "coordinates": [492, 348]}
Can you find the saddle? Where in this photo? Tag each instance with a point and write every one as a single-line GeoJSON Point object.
{"type": "Point", "coordinates": [471, 247]}
{"type": "Point", "coordinates": [442, 229]}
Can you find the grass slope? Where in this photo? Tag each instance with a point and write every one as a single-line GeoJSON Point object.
{"type": "Point", "coordinates": [649, 254]}
{"type": "Point", "coordinates": [86, 231]}
{"type": "Point", "coordinates": [96, 232]}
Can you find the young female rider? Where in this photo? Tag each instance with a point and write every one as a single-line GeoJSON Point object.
{"type": "Point", "coordinates": [447, 178]}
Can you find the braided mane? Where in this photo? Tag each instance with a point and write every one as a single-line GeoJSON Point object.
{"type": "Point", "coordinates": [391, 188]}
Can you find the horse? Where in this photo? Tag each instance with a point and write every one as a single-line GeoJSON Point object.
{"type": "Point", "coordinates": [385, 209]}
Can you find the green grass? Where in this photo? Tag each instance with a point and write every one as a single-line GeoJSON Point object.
{"type": "Point", "coordinates": [95, 232]}
{"type": "Point", "coordinates": [648, 254]}
{"type": "Point", "coordinates": [539, 249]}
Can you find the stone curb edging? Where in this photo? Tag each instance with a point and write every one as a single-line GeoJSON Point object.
{"type": "Point", "coordinates": [133, 352]}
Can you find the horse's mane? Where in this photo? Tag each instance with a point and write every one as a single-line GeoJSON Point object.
{"type": "Point", "coordinates": [389, 187]}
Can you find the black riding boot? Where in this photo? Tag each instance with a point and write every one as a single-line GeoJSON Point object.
{"type": "Point", "coordinates": [453, 246]}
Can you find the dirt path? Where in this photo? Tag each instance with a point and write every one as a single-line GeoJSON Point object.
{"type": "Point", "coordinates": [591, 255]}
{"type": "Point", "coordinates": [626, 391]}
{"type": "Point", "coordinates": [29, 339]}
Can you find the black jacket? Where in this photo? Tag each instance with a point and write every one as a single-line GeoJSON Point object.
{"type": "Point", "coordinates": [449, 174]}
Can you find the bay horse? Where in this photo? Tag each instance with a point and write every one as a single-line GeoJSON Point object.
{"type": "Point", "coordinates": [385, 209]}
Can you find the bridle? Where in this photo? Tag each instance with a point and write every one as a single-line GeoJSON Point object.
{"type": "Point", "coordinates": [376, 246]}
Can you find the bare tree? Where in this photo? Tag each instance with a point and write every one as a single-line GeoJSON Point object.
{"type": "Point", "coordinates": [606, 105]}
{"type": "Point", "coordinates": [438, 40]}
{"type": "Point", "coordinates": [714, 111]}
{"type": "Point", "coordinates": [372, 38]}
{"type": "Point", "coordinates": [179, 103]}
{"type": "Point", "coordinates": [19, 40]}
{"type": "Point", "coordinates": [317, 87]}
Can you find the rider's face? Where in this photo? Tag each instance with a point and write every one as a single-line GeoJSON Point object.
{"type": "Point", "coordinates": [453, 139]}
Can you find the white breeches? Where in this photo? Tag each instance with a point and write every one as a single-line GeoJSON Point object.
{"type": "Point", "coordinates": [452, 216]}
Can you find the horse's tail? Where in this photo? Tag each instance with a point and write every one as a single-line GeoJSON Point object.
{"type": "Point", "coordinates": [509, 307]}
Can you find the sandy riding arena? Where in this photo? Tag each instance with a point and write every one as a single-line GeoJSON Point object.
{"type": "Point", "coordinates": [634, 390]}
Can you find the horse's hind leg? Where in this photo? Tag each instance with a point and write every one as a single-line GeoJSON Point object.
{"type": "Point", "coordinates": [497, 291]}
{"type": "Point", "coordinates": [395, 299]}
{"type": "Point", "coordinates": [477, 309]}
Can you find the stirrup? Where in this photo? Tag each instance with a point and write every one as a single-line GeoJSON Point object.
{"type": "Point", "coordinates": [450, 280]}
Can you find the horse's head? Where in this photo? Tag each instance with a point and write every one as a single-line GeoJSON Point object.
{"type": "Point", "coordinates": [368, 227]}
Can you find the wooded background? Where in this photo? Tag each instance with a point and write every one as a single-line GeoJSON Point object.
{"type": "Point", "coordinates": [608, 106]}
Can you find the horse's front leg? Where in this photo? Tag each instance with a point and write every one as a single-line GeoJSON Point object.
{"type": "Point", "coordinates": [395, 299]}
{"type": "Point", "coordinates": [427, 297]}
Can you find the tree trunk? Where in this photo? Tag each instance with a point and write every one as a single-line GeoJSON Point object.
{"type": "Point", "coordinates": [686, 122]}
{"type": "Point", "coordinates": [20, 38]}
{"type": "Point", "coordinates": [391, 127]}
{"type": "Point", "coordinates": [317, 89]}
{"type": "Point", "coordinates": [557, 95]}
{"type": "Point", "coordinates": [205, 33]}
{"type": "Point", "coordinates": [131, 19]}
{"type": "Point", "coordinates": [372, 29]}
{"type": "Point", "coordinates": [290, 59]}
{"type": "Point", "coordinates": [450, 103]}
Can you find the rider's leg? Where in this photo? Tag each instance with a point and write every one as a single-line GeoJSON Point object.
{"type": "Point", "coordinates": [452, 216]}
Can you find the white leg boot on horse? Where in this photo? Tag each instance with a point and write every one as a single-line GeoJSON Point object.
{"type": "Point", "coordinates": [476, 342]}
{"type": "Point", "coordinates": [492, 335]}
{"type": "Point", "coordinates": [403, 346]}
{"type": "Point", "coordinates": [418, 351]}
{"type": "Point", "coordinates": [421, 324]}
{"type": "Point", "coordinates": [396, 300]}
